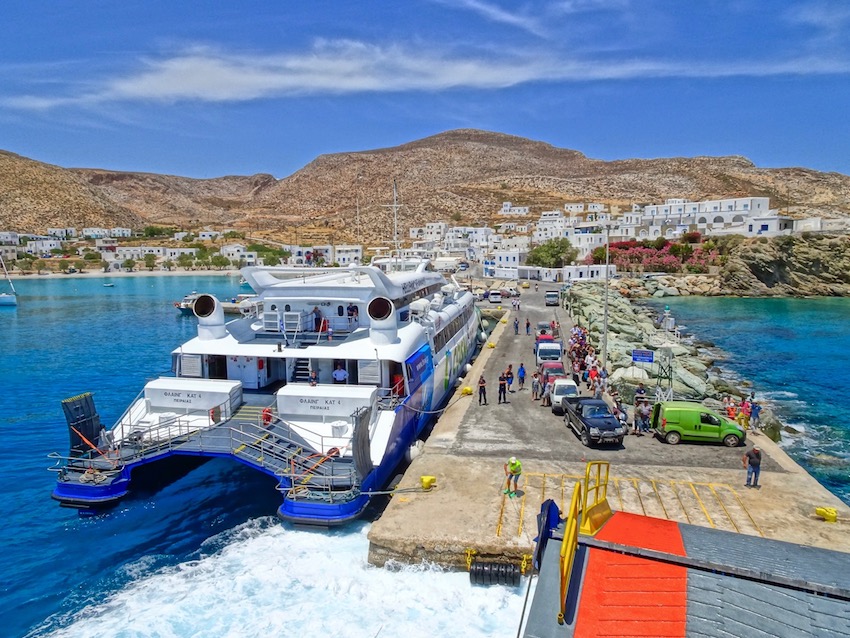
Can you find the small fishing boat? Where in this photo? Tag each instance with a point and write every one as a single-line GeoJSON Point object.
{"type": "Point", "coordinates": [108, 285]}
{"type": "Point", "coordinates": [8, 298]}
{"type": "Point", "coordinates": [231, 306]}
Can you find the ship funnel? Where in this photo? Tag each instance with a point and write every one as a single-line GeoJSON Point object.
{"type": "Point", "coordinates": [210, 316]}
{"type": "Point", "coordinates": [383, 324]}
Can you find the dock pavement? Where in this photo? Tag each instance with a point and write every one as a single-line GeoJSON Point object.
{"type": "Point", "coordinates": [700, 484]}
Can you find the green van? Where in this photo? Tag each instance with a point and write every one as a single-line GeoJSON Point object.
{"type": "Point", "coordinates": [676, 421]}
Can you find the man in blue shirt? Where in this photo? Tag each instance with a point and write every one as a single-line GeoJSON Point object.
{"type": "Point", "coordinates": [520, 374]}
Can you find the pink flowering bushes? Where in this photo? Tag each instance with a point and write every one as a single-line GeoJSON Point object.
{"type": "Point", "coordinates": [658, 256]}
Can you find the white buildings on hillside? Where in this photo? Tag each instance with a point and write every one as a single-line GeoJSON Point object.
{"type": "Point", "coordinates": [509, 209]}
{"type": "Point", "coordinates": [42, 246]}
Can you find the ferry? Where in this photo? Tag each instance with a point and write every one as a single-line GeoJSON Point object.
{"type": "Point", "coordinates": [326, 382]}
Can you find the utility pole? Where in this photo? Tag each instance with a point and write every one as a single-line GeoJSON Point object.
{"type": "Point", "coordinates": [605, 310]}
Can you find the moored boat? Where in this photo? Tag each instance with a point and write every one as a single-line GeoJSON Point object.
{"type": "Point", "coordinates": [231, 306]}
{"type": "Point", "coordinates": [325, 382]}
{"type": "Point", "coordinates": [8, 298]}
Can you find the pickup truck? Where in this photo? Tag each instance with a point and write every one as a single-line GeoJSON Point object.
{"type": "Point", "coordinates": [593, 422]}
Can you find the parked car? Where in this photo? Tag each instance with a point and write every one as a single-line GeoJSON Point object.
{"type": "Point", "coordinates": [593, 422]}
{"type": "Point", "coordinates": [554, 370]}
{"type": "Point", "coordinates": [494, 297]}
{"type": "Point", "coordinates": [525, 284]}
{"type": "Point", "coordinates": [552, 297]}
{"type": "Point", "coordinates": [542, 328]}
{"type": "Point", "coordinates": [563, 390]}
{"type": "Point", "coordinates": [676, 421]}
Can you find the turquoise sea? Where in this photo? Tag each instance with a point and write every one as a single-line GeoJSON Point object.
{"type": "Point", "coordinates": [796, 353]}
{"type": "Point", "coordinates": [204, 556]}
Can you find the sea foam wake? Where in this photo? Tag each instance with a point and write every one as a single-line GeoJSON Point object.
{"type": "Point", "coordinates": [265, 579]}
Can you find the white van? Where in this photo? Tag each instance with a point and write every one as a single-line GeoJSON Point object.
{"type": "Point", "coordinates": [563, 390]}
{"type": "Point", "coordinates": [549, 351]}
{"type": "Point", "coordinates": [495, 297]}
{"type": "Point", "coordinates": [552, 297]}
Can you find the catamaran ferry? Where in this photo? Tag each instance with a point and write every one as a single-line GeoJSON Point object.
{"type": "Point", "coordinates": [326, 382]}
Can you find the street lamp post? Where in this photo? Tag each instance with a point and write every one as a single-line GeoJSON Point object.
{"type": "Point", "coordinates": [605, 306]}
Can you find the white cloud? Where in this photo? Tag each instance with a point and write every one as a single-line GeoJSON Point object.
{"type": "Point", "coordinates": [204, 74]}
{"type": "Point", "coordinates": [495, 13]}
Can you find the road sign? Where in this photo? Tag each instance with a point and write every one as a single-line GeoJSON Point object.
{"type": "Point", "coordinates": [643, 356]}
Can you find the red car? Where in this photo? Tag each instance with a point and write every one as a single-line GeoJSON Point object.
{"type": "Point", "coordinates": [554, 370]}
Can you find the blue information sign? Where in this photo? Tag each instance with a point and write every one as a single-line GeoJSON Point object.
{"type": "Point", "coordinates": [643, 356]}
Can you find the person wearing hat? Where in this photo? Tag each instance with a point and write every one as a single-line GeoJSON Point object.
{"type": "Point", "coordinates": [513, 469]}
{"type": "Point", "coordinates": [752, 461]}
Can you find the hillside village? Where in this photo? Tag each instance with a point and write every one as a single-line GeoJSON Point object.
{"type": "Point", "coordinates": [502, 250]}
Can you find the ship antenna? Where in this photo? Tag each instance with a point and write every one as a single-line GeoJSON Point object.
{"type": "Point", "coordinates": [395, 206]}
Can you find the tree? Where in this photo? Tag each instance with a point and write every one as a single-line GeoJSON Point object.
{"type": "Point", "coordinates": [168, 264]}
{"type": "Point", "coordinates": [81, 265]}
{"type": "Point", "coordinates": [64, 264]}
{"type": "Point", "coordinates": [555, 253]}
{"type": "Point", "coordinates": [203, 262]}
{"type": "Point", "coordinates": [104, 265]}
{"type": "Point", "coordinates": [25, 264]}
{"type": "Point", "coordinates": [128, 264]}
{"type": "Point", "coordinates": [271, 260]}
{"type": "Point", "coordinates": [39, 265]}
{"type": "Point", "coordinates": [185, 260]}
{"type": "Point", "coordinates": [150, 261]}
{"type": "Point", "coordinates": [219, 261]}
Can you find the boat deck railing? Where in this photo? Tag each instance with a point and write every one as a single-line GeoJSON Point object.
{"type": "Point", "coordinates": [269, 444]}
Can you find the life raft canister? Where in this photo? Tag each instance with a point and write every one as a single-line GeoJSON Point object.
{"type": "Point", "coordinates": [267, 416]}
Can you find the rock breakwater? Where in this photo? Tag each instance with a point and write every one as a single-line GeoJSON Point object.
{"type": "Point", "coordinates": [695, 374]}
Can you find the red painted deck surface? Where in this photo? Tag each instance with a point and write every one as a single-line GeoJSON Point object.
{"type": "Point", "coordinates": [630, 596]}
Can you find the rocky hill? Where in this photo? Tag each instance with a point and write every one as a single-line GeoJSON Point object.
{"type": "Point", "coordinates": [462, 176]}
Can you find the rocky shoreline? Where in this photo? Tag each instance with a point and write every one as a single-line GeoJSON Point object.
{"type": "Point", "coordinates": [631, 326]}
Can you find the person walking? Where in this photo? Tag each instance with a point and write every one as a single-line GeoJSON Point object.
{"type": "Point", "coordinates": [527, 327]}
{"type": "Point", "coordinates": [535, 387]}
{"type": "Point", "coordinates": [755, 412]}
{"type": "Point", "coordinates": [516, 325]}
{"type": "Point", "coordinates": [509, 377]}
{"type": "Point", "coordinates": [513, 470]}
{"type": "Point", "coordinates": [482, 391]}
{"type": "Point", "coordinates": [547, 394]}
{"type": "Point", "coordinates": [317, 318]}
{"type": "Point", "coordinates": [752, 461]}
{"type": "Point", "coordinates": [503, 388]}
{"type": "Point", "coordinates": [520, 375]}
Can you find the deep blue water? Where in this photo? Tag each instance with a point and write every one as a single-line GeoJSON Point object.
{"type": "Point", "coordinates": [796, 352]}
{"type": "Point", "coordinates": [203, 557]}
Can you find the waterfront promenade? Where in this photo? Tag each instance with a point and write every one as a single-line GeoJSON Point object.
{"type": "Point", "coordinates": [691, 483]}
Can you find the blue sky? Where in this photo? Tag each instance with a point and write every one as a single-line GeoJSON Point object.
{"type": "Point", "coordinates": [204, 89]}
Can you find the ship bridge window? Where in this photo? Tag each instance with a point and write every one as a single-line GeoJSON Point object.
{"type": "Point", "coordinates": [340, 311]}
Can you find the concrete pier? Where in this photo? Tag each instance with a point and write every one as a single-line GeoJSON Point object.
{"type": "Point", "coordinates": [698, 484]}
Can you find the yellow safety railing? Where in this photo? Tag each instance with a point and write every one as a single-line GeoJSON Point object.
{"type": "Point", "coordinates": [569, 546]}
{"type": "Point", "coordinates": [595, 497]}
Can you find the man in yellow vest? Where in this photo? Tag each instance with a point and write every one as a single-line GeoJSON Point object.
{"type": "Point", "coordinates": [513, 469]}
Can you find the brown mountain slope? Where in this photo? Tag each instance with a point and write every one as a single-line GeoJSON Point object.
{"type": "Point", "coordinates": [35, 196]}
{"type": "Point", "coordinates": [169, 199]}
{"type": "Point", "coordinates": [461, 175]}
